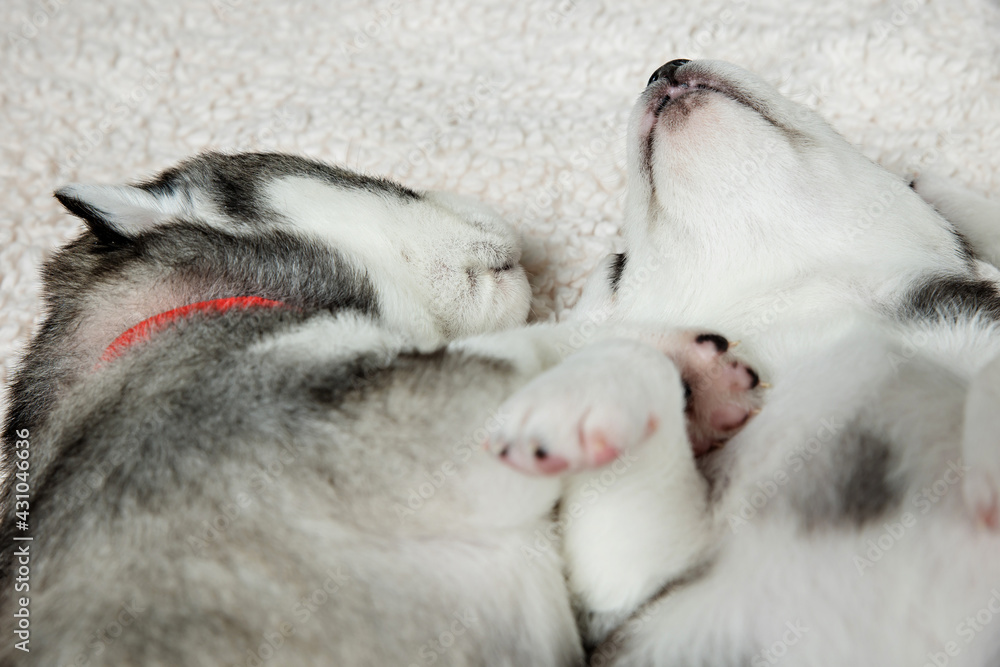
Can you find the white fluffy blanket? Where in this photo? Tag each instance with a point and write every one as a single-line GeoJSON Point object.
{"type": "Point", "coordinates": [520, 104]}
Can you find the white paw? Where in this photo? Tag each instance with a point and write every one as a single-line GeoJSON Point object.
{"type": "Point", "coordinates": [587, 410]}
{"type": "Point", "coordinates": [612, 396]}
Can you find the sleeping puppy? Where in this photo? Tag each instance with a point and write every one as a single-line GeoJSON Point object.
{"type": "Point", "coordinates": [249, 430]}
{"type": "Point", "coordinates": [855, 521]}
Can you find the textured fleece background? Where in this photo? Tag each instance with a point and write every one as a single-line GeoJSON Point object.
{"type": "Point", "coordinates": [520, 104]}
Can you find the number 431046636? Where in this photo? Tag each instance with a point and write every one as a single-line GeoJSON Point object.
{"type": "Point", "coordinates": [22, 449]}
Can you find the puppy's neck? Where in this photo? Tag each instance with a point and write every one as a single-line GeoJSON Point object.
{"type": "Point", "coordinates": [117, 308]}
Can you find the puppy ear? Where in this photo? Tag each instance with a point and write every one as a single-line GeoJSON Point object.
{"type": "Point", "coordinates": [116, 214]}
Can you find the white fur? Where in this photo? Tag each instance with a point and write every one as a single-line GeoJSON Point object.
{"type": "Point", "coordinates": [977, 216]}
{"type": "Point", "coordinates": [981, 434]}
{"type": "Point", "coordinates": [801, 260]}
{"type": "Point", "coordinates": [457, 251]}
{"type": "Point", "coordinates": [128, 209]}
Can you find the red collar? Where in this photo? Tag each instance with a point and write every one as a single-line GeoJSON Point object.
{"type": "Point", "coordinates": [143, 330]}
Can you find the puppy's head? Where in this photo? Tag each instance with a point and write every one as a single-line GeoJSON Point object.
{"type": "Point", "coordinates": [430, 265]}
{"type": "Point", "coordinates": [715, 149]}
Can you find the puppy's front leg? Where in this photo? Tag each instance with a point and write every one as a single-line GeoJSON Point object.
{"type": "Point", "coordinates": [627, 418]}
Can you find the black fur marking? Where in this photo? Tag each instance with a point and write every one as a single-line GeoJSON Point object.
{"type": "Point", "coordinates": [238, 180]}
{"type": "Point", "coordinates": [330, 386]}
{"type": "Point", "coordinates": [96, 220]}
{"type": "Point", "coordinates": [647, 160]}
{"type": "Point", "coordinates": [866, 490]}
{"type": "Point", "coordinates": [952, 298]}
{"type": "Point", "coordinates": [965, 248]}
{"type": "Point", "coordinates": [617, 269]}
{"type": "Point", "coordinates": [861, 487]}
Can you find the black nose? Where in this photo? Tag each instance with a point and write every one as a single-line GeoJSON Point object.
{"type": "Point", "coordinates": [667, 71]}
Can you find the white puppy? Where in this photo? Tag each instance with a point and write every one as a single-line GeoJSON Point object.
{"type": "Point", "coordinates": [831, 531]}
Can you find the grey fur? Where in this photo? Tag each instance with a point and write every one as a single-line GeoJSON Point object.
{"type": "Point", "coordinates": [951, 298]}
{"type": "Point", "coordinates": [221, 483]}
{"type": "Point", "coordinates": [858, 475]}
{"type": "Point", "coordinates": [273, 265]}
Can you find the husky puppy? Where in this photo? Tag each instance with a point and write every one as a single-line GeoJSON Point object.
{"type": "Point", "coordinates": [248, 432]}
{"type": "Point", "coordinates": [855, 521]}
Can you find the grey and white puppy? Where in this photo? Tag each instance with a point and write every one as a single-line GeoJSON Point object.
{"type": "Point", "coordinates": [245, 435]}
